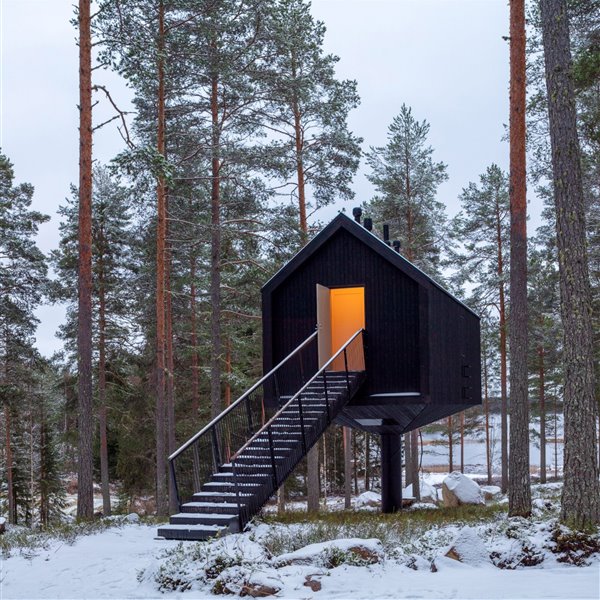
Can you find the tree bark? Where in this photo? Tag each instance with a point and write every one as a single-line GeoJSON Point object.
{"type": "Point", "coordinates": [542, 390]}
{"type": "Point", "coordinates": [347, 437]}
{"type": "Point", "coordinates": [170, 363]}
{"type": "Point", "coordinates": [519, 497]}
{"type": "Point", "coordinates": [414, 455]}
{"type": "Point", "coordinates": [503, 353]}
{"type": "Point", "coordinates": [312, 465]}
{"type": "Point", "coordinates": [407, 460]}
{"type": "Point", "coordinates": [85, 489]}
{"type": "Point", "coordinates": [102, 409]}
{"type": "Point", "coordinates": [450, 445]}
{"type": "Point", "coordinates": [486, 402]}
{"type": "Point", "coordinates": [215, 256]}
{"type": "Point", "coordinates": [195, 375]}
{"type": "Point", "coordinates": [12, 505]}
{"type": "Point", "coordinates": [462, 441]}
{"type": "Point", "coordinates": [580, 503]}
{"type": "Point", "coordinates": [367, 461]}
{"type": "Point", "coordinates": [161, 234]}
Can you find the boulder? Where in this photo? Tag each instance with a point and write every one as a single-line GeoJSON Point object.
{"type": "Point", "coordinates": [457, 489]}
{"type": "Point", "coordinates": [371, 499]}
{"type": "Point", "coordinates": [468, 548]}
{"type": "Point", "coordinates": [428, 493]}
{"type": "Point", "coordinates": [258, 590]}
{"type": "Point", "coordinates": [491, 492]}
{"type": "Point", "coordinates": [2, 525]}
{"type": "Point", "coordinates": [313, 584]}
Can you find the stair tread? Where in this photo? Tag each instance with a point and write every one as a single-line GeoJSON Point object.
{"type": "Point", "coordinates": [211, 504]}
{"type": "Point", "coordinates": [192, 527]}
{"type": "Point", "coordinates": [199, 516]}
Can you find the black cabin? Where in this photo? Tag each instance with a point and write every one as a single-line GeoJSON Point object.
{"type": "Point", "coordinates": [353, 334]}
{"type": "Point", "coordinates": [422, 353]}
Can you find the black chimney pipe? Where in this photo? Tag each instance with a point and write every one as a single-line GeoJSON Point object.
{"type": "Point", "coordinates": [386, 234]}
{"type": "Point", "coordinates": [356, 213]}
{"type": "Point", "coordinates": [368, 223]}
{"type": "Point", "coordinates": [396, 244]}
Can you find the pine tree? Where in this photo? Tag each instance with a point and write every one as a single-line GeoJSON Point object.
{"type": "Point", "coordinates": [482, 227]}
{"type": "Point", "coordinates": [22, 285]}
{"type": "Point", "coordinates": [85, 491]}
{"type": "Point", "coordinates": [581, 493]}
{"type": "Point", "coordinates": [307, 110]}
{"type": "Point", "coordinates": [406, 179]}
{"type": "Point", "coordinates": [111, 295]}
{"type": "Point", "coordinates": [519, 478]}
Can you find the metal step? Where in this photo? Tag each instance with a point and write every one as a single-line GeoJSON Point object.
{"type": "Point", "coordinates": [224, 508]}
{"type": "Point", "coordinates": [219, 496]}
{"type": "Point", "coordinates": [192, 532]}
{"type": "Point", "coordinates": [210, 519]}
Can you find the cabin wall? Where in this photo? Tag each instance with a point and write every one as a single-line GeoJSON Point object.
{"type": "Point", "coordinates": [391, 310]}
{"type": "Point", "coordinates": [455, 369]}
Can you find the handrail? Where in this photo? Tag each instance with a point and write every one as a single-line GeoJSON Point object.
{"type": "Point", "coordinates": [297, 394]}
{"type": "Point", "coordinates": [219, 417]}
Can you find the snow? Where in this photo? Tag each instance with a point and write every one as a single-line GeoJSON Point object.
{"type": "Point", "coordinates": [313, 552]}
{"type": "Point", "coordinates": [466, 490]}
{"type": "Point", "coordinates": [128, 561]}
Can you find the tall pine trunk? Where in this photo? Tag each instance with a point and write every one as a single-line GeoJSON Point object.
{"type": "Point", "coordinates": [580, 506]}
{"type": "Point", "coordinates": [462, 441]}
{"type": "Point", "coordinates": [542, 391]}
{"type": "Point", "coordinates": [503, 352]}
{"type": "Point", "coordinates": [102, 409]}
{"type": "Point", "coordinates": [161, 234]}
{"type": "Point", "coordinates": [195, 375]}
{"type": "Point", "coordinates": [85, 486]}
{"type": "Point", "coordinates": [347, 438]}
{"type": "Point", "coordinates": [450, 445]}
{"type": "Point", "coordinates": [12, 505]}
{"type": "Point", "coordinates": [170, 365]}
{"type": "Point", "coordinates": [486, 407]}
{"type": "Point", "coordinates": [519, 492]}
{"type": "Point", "coordinates": [215, 256]}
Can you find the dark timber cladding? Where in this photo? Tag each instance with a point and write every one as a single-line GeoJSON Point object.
{"type": "Point", "coordinates": [421, 344]}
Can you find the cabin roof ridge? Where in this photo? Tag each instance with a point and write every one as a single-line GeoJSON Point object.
{"type": "Point", "coordinates": [343, 221]}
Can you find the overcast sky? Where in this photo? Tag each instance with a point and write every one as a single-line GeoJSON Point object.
{"type": "Point", "coordinates": [444, 58]}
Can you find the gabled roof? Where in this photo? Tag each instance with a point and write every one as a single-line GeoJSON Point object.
{"type": "Point", "coordinates": [344, 222]}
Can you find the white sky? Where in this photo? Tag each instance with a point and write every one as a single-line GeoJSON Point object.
{"type": "Point", "coordinates": [445, 58]}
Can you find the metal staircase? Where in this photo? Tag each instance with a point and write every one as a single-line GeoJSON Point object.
{"type": "Point", "coordinates": [224, 474]}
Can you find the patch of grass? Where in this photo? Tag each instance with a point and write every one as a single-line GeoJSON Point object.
{"type": "Point", "coordinates": [460, 514]}
{"type": "Point", "coordinates": [391, 529]}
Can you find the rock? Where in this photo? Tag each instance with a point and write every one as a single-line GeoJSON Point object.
{"type": "Point", "coordinates": [313, 584]}
{"type": "Point", "coordinates": [368, 499]}
{"type": "Point", "coordinates": [334, 552]}
{"type": "Point", "coordinates": [133, 518]}
{"type": "Point", "coordinates": [367, 554]}
{"type": "Point", "coordinates": [258, 590]}
{"type": "Point", "coordinates": [491, 492]}
{"type": "Point", "coordinates": [468, 548]}
{"type": "Point", "coordinates": [2, 525]}
{"type": "Point", "coordinates": [428, 493]}
{"type": "Point", "coordinates": [457, 489]}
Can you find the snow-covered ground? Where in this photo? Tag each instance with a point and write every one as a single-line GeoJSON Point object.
{"type": "Point", "coordinates": [370, 558]}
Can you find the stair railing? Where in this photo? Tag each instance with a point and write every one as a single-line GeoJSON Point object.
{"type": "Point", "coordinates": [334, 388]}
{"type": "Point", "coordinates": [194, 462]}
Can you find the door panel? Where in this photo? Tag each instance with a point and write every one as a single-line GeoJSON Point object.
{"type": "Point", "coordinates": [324, 323]}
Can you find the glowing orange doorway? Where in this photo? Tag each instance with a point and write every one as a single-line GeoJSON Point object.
{"type": "Point", "coordinates": [341, 312]}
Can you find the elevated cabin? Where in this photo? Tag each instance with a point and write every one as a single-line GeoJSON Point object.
{"type": "Point", "coordinates": [354, 334]}
{"type": "Point", "coordinates": [422, 345]}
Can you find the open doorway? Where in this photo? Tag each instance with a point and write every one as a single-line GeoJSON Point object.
{"type": "Point", "coordinates": [340, 313]}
